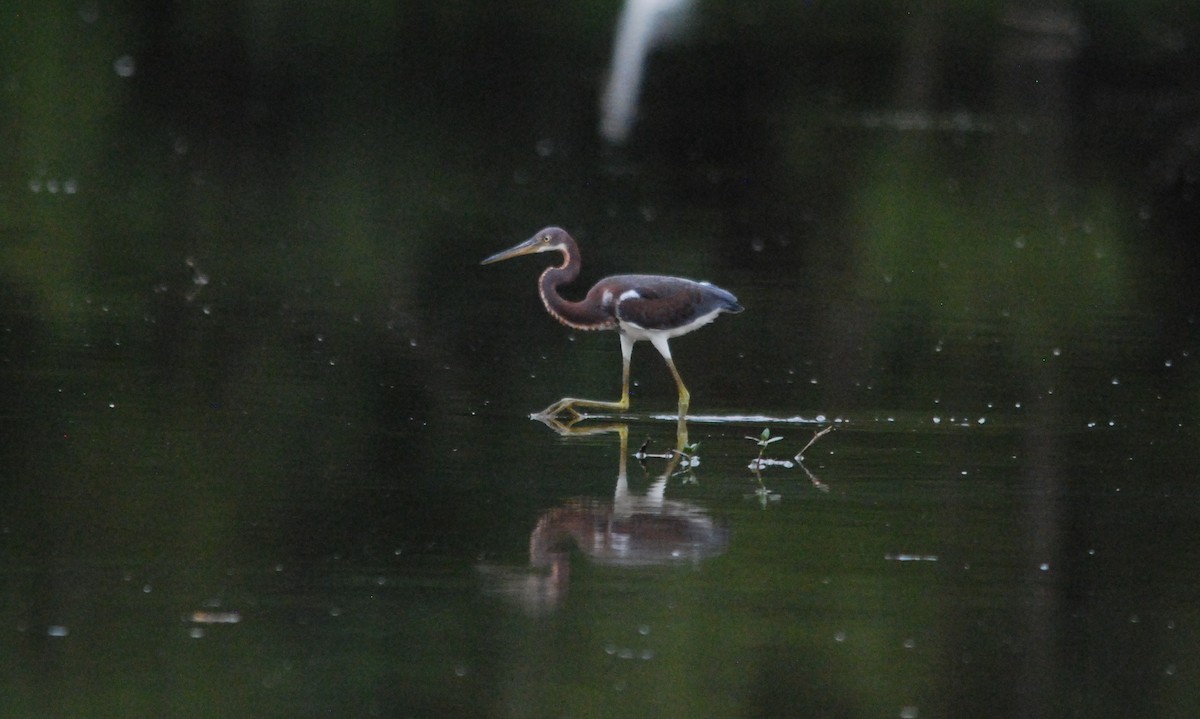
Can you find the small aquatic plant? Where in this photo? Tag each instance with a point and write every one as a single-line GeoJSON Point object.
{"type": "Point", "coordinates": [760, 462]}
{"type": "Point", "coordinates": [689, 456]}
{"type": "Point", "coordinates": [763, 441]}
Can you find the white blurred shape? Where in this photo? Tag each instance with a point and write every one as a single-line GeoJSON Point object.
{"type": "Point", "coordinates": [642, 25]}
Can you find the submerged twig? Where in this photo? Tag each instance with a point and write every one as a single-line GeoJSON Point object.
{"type": "Point", "coordinates": [642, 455]}
{"type": "Point", "coordinates": [819, 434]}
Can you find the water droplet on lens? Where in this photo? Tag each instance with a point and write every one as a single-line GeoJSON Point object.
{"type": "Point", "coordinates": [89, 12]}
{"type": "Point", "coordinates": [124, 66]}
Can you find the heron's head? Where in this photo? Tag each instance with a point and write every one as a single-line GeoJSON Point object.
{"type": "Point", "coordinates": [548, 240]}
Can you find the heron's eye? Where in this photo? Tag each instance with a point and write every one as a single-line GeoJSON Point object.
{"type": "Point", "coordinates": [545, 238]}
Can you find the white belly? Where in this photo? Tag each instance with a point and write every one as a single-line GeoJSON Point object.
{"type": "Point", "coordinates": [637, 332]}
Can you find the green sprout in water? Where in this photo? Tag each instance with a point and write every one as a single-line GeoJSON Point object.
{"type": "Point", "coordinates": [763, 441]}
{"type": "Point", "coordinates": [761, 462]}
{"type": "Point", "coordinates": [688, 455]}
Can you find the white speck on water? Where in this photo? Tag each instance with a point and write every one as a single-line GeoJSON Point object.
{"type": "Point", "coordinates": [1057, 352]}
{"type": "Point", "coordinates": [644, 629]}
{"type": "Point", "coordinates": [937, 420]}
{"type": "Point", "coordinates": [1167, 363]}
{"type": "Point", "coordinates": [1169, 670]}
{"type": "Point", "coordinates": [839, 637]}
{"type": "Point", "coordinates": [56, 630]}
{"type": "Point", "coordinates": [196, 632]}
{"type": "Point", "coordinates": [124, 66]}
{"type": "Point", "coordinates": [981, 420]}
{"type": "Point", "coordinates": [909, 712]}
{"type": "Point", "coordinates": [1044, 566]}
{"type": "Point", "coordinates": [910, 643]}
{"type": "Point", "coordinates": [910, 557]}
{"type": "Point", "coordinates": [335, 612]}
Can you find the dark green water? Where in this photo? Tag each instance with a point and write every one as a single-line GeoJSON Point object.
{"type": "Point", "coordinates": [265, 447]}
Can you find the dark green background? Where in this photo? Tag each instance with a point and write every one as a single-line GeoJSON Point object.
{"type": "Point", "coordinates": [249, 361]}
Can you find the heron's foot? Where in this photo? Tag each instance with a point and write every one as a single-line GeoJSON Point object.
{"type": "Point", "coordinates": [570, 406]}
{"type": "Point", "coordinates": [565, 406]}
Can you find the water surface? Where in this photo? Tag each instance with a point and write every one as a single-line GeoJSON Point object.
{"type": "Point", "coordinates": [266, 438]}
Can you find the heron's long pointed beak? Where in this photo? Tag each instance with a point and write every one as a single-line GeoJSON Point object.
{"type": "Point", "coordinates": [527, 247]}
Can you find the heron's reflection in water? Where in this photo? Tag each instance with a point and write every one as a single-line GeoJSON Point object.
{"type": "Point", "coordinates": [631, 530]}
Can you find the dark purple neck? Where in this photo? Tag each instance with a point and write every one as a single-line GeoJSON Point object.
{"type": "Point", "coordinates": [586, 314]}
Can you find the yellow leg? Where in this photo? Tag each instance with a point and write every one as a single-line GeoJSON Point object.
{"type": "Point", "coordinates": [685, 397]}
{"type": "Point", "coordinates": [570, 404]}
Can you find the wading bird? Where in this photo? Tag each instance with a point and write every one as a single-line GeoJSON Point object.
{"type": "Point", "coordinates": [638, 307]}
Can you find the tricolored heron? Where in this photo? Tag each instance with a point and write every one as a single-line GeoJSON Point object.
{"type": "Point", "coordinates": [638, 307]}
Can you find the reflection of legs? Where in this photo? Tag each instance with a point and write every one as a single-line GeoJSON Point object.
{"type": "Point", "coordinates": [681, 435]}
{"type": "Point", "coordinates": [569, 404]}
{"type": "Point", "coordinates": [685, 397]}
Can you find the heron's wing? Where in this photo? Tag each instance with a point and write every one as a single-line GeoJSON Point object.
{"type": "Point", "coordinates": [661, 303]}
